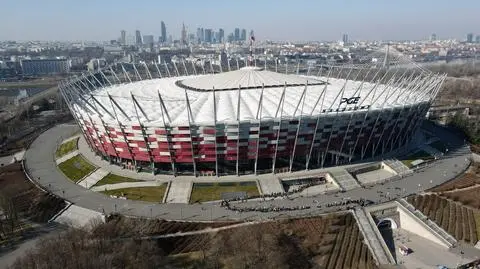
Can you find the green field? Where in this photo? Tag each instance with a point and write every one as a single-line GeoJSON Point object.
{"type": "Point", "coordinates": [416, 156]}
{"type": "Point", "coordinates": [114, 179]}
{"type": "Point", "coordinates": [67, 147]}
{"type": "Point", "coordinates": [202, 192]}
{"type": "Point", "coordinates": [76, 168]}
{"type": "Point", "coordinates": [147, 194]}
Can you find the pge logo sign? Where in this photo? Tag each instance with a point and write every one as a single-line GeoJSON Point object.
{"type": "Point", "coordinates": [351, 100]}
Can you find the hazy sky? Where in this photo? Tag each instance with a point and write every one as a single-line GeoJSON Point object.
{"type": "Point", "coordinates": [271, 19]}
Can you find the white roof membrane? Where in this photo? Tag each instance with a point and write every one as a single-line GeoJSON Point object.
{"type": "Point", "coordinates": [298, 100]}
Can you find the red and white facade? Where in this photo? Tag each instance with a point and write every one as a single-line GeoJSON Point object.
{"type": "Point", "coordinates": [178, 119]}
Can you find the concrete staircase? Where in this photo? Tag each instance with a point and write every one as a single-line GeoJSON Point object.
{"type": "Point", "coordinates": [179, 191]}
{"type": "Point", "coordinates": [372, 237]}
{"type": "Point", "coordinates": [344, 180]}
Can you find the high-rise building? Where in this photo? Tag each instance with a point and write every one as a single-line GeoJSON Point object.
{"type": "Point", "coordinates": [208, 35]}
{"type": "Point", "coordinates": [200, 36]}
{"type": "Point", "coordinates": [163, 38]}
{"type": "Point", "coordinates": [138, 38]}
{"type": "Point", "coordinates": [221, 35]}
{"type": "Point", "coordinates": [243, 35]}
{"type": "Point", "coordinates": [345, 39]}
{"type": "Point", "coordinates": [148, 39]}
{"type": "Point", "coordinates": [123, 37]}
{"type": "Point", "coordinates": [183, 35]}
{"type": "Point", "coordinates": [237, 34]}
{"type": "Point", "coordinates": [469, 38]}
{"type": "Point", "coordinates": [230, 37]}
{"type": "Point", "coordinates": [477, 39]}
{"type": "Point", "coordinates": [433, 37]}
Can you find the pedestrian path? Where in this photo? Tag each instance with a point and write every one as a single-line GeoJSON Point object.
{"type": "Point", "coordinates": [67, 156]}
{"type": "Point", "coordinates": [93, 178]}
{"type": "Point", "coordinates": [124, 185]}
{"type": "Point", "coordinates": [179, 191]}
{"type": "Point", "coordinates": [271, 185]}
{"type": "Point", "coordinates": [70, 139]}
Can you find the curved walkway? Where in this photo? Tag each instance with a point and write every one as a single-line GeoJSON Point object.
{"type": "Point", "coordinates": [40, 164]}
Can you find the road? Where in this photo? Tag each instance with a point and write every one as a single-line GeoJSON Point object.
{"type": "Point", "coordinates": [41, 166]}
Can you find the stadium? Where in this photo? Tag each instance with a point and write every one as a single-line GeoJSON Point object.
{"type": "Point", "coordinates": [233, 118]}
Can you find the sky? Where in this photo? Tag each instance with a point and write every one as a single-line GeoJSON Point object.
{"type": "Point", "coordinates": [294, 20]}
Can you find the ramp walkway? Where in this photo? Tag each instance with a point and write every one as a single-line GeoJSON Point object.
{"type": "Point", "coordinates": [372, 237]}
{"type": "Point", "coordinates": [93, 178]}
{"type": "Point", "coordinates": [67, 156]}
{"type": "Point", "coordinates": [78, 216]}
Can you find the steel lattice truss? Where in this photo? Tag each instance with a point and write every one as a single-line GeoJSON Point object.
{"type": "Point", "coordinates": [200, 118]}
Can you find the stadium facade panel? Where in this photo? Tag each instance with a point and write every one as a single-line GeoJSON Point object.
{"type": "Point", "coordinates": [156, 118]}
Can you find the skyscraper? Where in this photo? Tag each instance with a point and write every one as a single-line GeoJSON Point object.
{"type": "Point", "coordinates": [183, 35]}
{"type": "Point", "coordinates": [163, 38]}
{"type": "Point", "coordinates": [477, 39]}
{"type": "Point", "coordinates": [236, 34]}
{"type": "Point", "coordinates": [200, 35]}
{"type": "Point", "coordinates": [123, 37]}
{"type": "Point", "coordinates": [221, 35]}
{"type": "Point", "coordinates": [469, 38]}
{"type": "Point", "coordinates": [208, 35]}
{"type": "Point", "coordinates": [345, 39]}
{"type": "Point", "coordinates": [243, 35]}
{"type": "Point", "coordinates": [138, 38]}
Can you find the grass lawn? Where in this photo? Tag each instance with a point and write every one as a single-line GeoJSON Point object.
{"type": "Point", "coordinates": [114, 179]}
{"type": "Point", "coordinates": [67, 147]}
{"type": "Point", "coordinates": [438, 145]}
{"type": "Point", "coordinates": [202, 192]}
{"type": "Point", "coordinates": [416, 156]}
{"type": "Point", "coordinates": [76, 168]}
{"type": "Point", "coordinates": [148, 194]}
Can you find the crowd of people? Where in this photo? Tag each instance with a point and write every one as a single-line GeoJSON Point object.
{"type": "Point", "coordinates": [259, 208]}
{"type": "Point", "coordinates": [263, 209]}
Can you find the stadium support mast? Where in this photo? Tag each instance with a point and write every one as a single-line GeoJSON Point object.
{"type": "Point", "coordinates": [250, 57]}
{"type": "Point", "coordinates": [386, 60]}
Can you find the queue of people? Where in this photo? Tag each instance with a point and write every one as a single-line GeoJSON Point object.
{"type": "Point", "coordinates": [345, 202]}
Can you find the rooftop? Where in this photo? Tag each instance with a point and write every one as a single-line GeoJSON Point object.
{"type": "Point", "coordinates": [246, 94]}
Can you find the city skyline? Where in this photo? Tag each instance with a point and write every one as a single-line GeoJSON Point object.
{"type": "Point", "coordinates": [302, 20]}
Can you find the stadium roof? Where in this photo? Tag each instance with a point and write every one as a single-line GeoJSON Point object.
{"type": "Point", "coordinates": [245, 78]}
{"type": "Point", "coordinates": [247, 94]}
